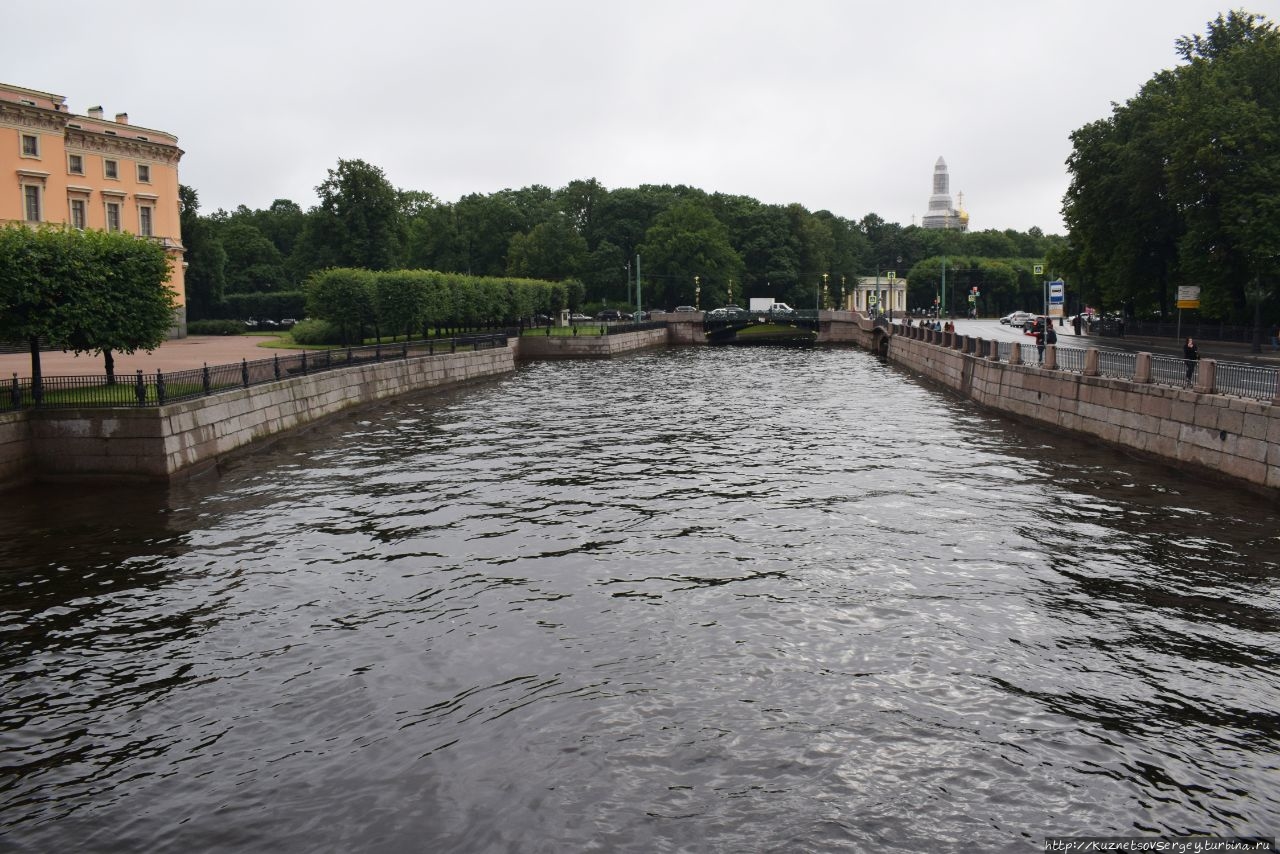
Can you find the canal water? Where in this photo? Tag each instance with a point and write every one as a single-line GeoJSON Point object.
{"type": "Point", "coordinates": [691, 600]}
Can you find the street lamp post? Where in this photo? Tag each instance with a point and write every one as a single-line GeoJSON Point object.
{"type": "Point", "coordinates": [824, 288]}
{"type": "Point", "coordinates": [842, 292]}
{"type": "Point", "coordinates": [697, 293]}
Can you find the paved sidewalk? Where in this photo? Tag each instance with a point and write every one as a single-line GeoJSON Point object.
{"type": "Point", "coordinates": [180, 354]}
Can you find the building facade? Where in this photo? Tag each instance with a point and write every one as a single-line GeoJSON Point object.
{"type": "Point", "coordinates": [941, 212]}
{"type": "Point", "coordinates": [876, 295]}
{"type": "Point", "coordinates": [90, 172]}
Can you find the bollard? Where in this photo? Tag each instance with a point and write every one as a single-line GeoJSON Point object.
{"type": "Point", "coordinates": [140, 389]}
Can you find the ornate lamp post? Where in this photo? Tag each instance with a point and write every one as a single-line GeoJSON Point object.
{"type": "Point", "coordinates": [697, 293]}
{"type": "Point", "coordinates": [824, 288]}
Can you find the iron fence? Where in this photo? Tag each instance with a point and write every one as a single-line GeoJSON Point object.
{"type": "Point", "coordinates": [1117, 364]}
{"type": "Point", "coordinates": [164, 387]}
{"type": "Point", "coordinates": [1245, 381]}
{"type": "Point", "coordinates": [1070, 359]}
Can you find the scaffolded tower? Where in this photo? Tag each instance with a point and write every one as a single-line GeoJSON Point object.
{"type": "Point", "coordinates": [941, 214]}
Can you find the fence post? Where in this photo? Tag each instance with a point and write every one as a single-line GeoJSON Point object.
{"type": "Point", "coordinates": [1051, 357]}
{"type": "Point", "coordinates": [1091, 362]}
{"type": "Point", "coordinates": [404, 349]}
{"type": "Point", "coordinates": [159, 387]}
{"type": "Point", "coordinates": [431, 347]}
{"type": "Point", "coordinates": [348, 355]}
{"type": "Point", "coordinates": [17, 393]}
{"type": "Point", "coordinates": [304, 362]}
{"type": "Point", "coordinates": [275, 365]}
{"type": "Point", "coordinates": [1015, 353]}
{"type": "Point", "coordinates": [244, 372]}
{"type": "Point", "coordinates": [1206, 376]}
{"type": "Point", "coordinates": [206, 379]}
{"type": "Point", "coordinates": [1142, 368]}
{"type": "Point", "coordinates": [453, 345]}
{"type": "Point", "coordinates": [377, 352]}
{"type": "Point", "coordinates": [140, 389]}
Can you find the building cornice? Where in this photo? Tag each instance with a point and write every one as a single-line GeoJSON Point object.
{"type": "Point", "coordinates": [81, 139]}
{"type": "Point", "coordinates": [37, 118]}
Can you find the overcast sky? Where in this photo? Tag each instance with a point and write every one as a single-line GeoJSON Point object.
{"type": "Point", "coordinates": [840, 105]}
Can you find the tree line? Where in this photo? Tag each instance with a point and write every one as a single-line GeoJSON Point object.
{"type": "Point", "coordinates": [1180, 185]}
{"type": "Point", "coordinates": [257, 262]}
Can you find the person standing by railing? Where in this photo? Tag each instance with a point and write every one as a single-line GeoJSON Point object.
{"type": "Point", "coordinates": [1190, 355]}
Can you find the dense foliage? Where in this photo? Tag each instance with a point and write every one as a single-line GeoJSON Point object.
{"type": "Point", "coordinates": [585, 236]}
{"type": "Point", "coordinates": [351, 301]}
{"type": "Point", "coordinates": [1181, 184]}
{"type": "Point", "coordinates": [85, 291]}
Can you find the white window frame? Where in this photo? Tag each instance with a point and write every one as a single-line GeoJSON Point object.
{"type": "Point", "coordinates": [29, 192]}
{"type": "Point", "coordinates": [71, 170]}
{"type": "Point", "coordinates": [144, 173]}
{"type": "Point", "coordinates": [109, 167]}
{"type": "Point", "coordinates": [84, 213]}
{"type": "Point", "coordinates": [22, 145]}
{"type": "Point", "coordinates": [107, 206]}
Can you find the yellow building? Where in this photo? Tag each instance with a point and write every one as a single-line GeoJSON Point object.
{"type": "Point", "coordinates": [90, 172]}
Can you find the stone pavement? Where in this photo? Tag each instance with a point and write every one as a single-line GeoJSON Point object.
{"type": "Point", "coordinates": [179, 354]}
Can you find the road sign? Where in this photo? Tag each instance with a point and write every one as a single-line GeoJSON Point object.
{"type": "Point", "coordinates": [1037, 270]}
{"type": "Point", "coordinates": [1188, 296]}
{"type": "Point", "coordinates": [891, 275]}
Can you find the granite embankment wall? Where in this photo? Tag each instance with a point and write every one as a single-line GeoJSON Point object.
{"type": "Point", "coordinates": [158, 442]}
{"type": "Point", "coordinates": [1222, 436]}
{"type": "Point", "coordinates": [589, 346]}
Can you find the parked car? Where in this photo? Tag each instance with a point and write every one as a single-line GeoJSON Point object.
{"type": "Point", "coordinates": [1017, 318]}
{"type": "Point", "coordinates": [684, 308]}
{"type": "Point", "coordinates": [579, 317]}
{"type": "Point", "coordinates": [609, 314]}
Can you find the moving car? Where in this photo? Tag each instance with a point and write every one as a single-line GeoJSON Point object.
{"type": "Point", "coordinates": [683, 308]}
{"type": "Point", "coordinates": [1017, 318]}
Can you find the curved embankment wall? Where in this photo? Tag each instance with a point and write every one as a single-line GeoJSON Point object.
{"type": "Point", "coordinates": [1221, 435]}
{"type": "Point", "coordinates": [158, 442]}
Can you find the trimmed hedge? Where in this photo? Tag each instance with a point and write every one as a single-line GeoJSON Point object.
{"type": "Point", "coordinates": [413, 302]}
{"type": "Point", "coordinates": [215, 327]}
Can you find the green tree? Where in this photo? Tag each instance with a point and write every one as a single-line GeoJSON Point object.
{"type": "Point", "coordinates": [686, 241]}
{"type": "Point", "coordinates": [551, 250]}
{"type": "Point", "coordinates": [206, 259]}
{"type": "Point", "coordinates": [87, 291]}
{"type": "Point", "coordinates": [345, 297]}
{"type": "Point", "coordinates": [357, 223]}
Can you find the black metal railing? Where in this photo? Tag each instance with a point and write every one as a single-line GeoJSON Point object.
{"type": "Point", "coordinates": [163, 387]}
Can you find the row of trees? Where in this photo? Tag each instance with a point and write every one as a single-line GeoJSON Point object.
{"type": "Point", "coordinates": [413, 302]}
{"type": "Point", "coordinates": [1180, 185]}
{"type": "Point", "coordinates": [582, 232]}
{"type": "Point", "coordinates": [84, 291]}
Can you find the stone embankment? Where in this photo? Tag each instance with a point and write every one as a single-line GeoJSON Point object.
{"type": "Point", "coordinates": [1220, 435]}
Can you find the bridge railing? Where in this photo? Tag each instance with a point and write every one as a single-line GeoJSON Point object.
{"type": "Point", "coordinates": [163, 387]}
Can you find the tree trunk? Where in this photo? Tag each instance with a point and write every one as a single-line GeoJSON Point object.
{"type": "Point", "coordinates": [110, 360]}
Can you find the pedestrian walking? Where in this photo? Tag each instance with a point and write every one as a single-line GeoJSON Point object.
{"type": "Point", "coordinates": [1190, 355]}
{"type": "Point", "coordinates": [1039, 330]}
{"type": "Point", "coordinates": [1075, 323]}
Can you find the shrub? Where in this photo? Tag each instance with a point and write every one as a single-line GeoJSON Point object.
{"type": "Point", "coordinates": [215, 327]}
{"type": "Point", "coordinates": [314, 331]}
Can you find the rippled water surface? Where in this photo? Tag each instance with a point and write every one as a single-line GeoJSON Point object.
{"type": "Point", "coordinates": [691, 600]}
